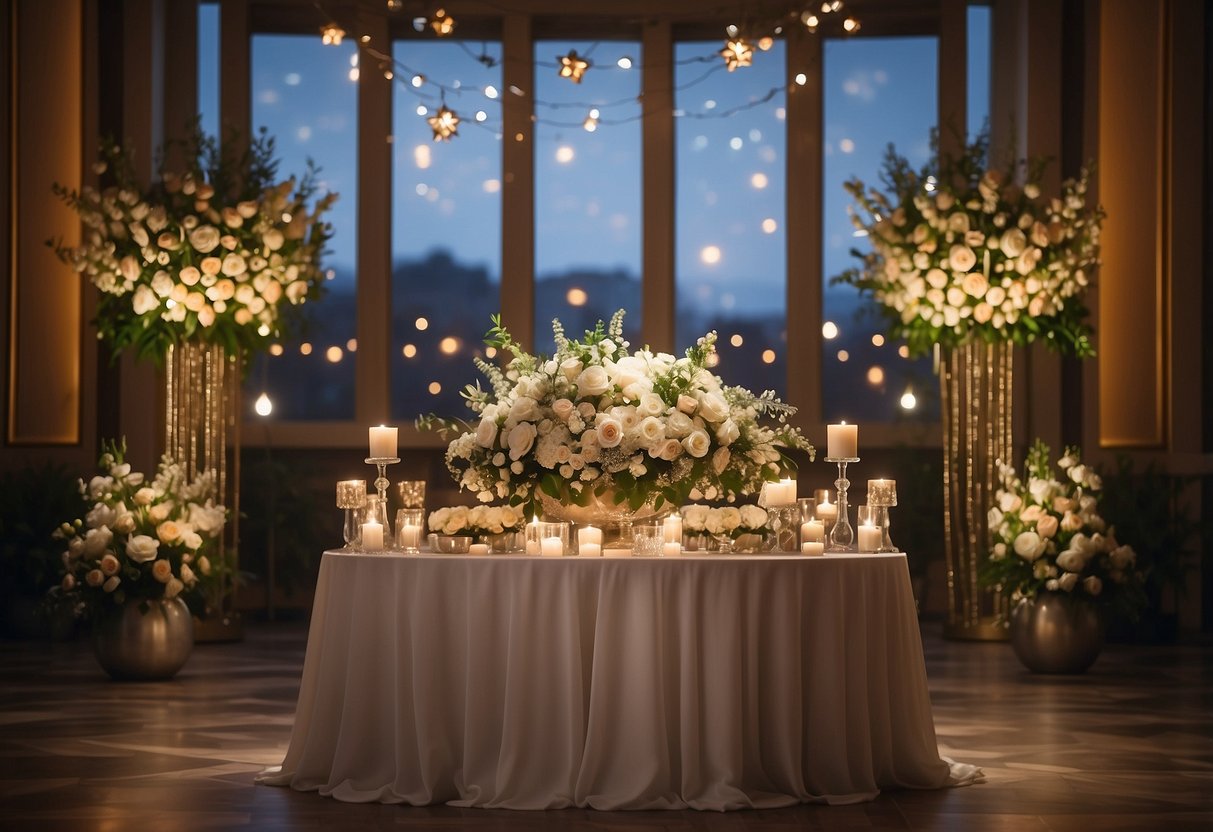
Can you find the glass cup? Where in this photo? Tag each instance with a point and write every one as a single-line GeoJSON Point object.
{"type": "Point", "coordinates": [410, 523]}
{"type": "Point", "coordinates": [648, 540]}
{"type": "Point", "coordinates": [375, 511]}
{"type": "Point", "coordinates": [412, 493]}
{"type": "Point", "coordinates": [869, 531]}
{"type": "Point", "coordinates": [351, 496]}
{"type": "Point", "coordinates": [808, 508]}
{"type": "Point", "coordinates": [553, 539]}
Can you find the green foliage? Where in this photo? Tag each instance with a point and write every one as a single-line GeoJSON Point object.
{"type": "Point", "coordinates": [33, 502]}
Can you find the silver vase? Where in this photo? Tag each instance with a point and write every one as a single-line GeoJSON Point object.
{"type": "Point", "coordinates": [1056, 632]}
{"type": "Point", "coordinates": [145, 644]}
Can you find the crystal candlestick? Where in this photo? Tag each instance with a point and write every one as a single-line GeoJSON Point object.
{"type": "Point", "coordinates": [381, 484]}
{"type": "Point", "coordinates": [842, 535]}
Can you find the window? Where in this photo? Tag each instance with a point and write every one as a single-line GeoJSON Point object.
{"type": "Point", "coordinates": [978, 42]}
{"type": "Point", "coordinates": [730, 254]}
{"type": "Point", "coordinates": [877, 91]}
{"type": "Point", "coordinates": [208, 67]}
{"type": "Point", "coordinates": [303, 94]}
{"type": "Point", "coordinates": [446, 222]}
{"type": "Point", "coordinates": [587, 188]}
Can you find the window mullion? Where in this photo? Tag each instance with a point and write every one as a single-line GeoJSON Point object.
{"type": "Point", "coordinates": [518, 179]}
{"type": "Point", "coordinates": [657, 278]}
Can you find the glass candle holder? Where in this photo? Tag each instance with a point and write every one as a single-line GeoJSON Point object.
{"type": "Point", "coordinates": [553, 539]}
{"type": "Point", "coordinates": [410, 523]}
{"type": "Point", "coordinates": [825, 511]}
{"type": "Point", "coordinates": [648, 540]}
{"type": "Point", "coordinates": [882, 495]}
{"type": "Point", "coordinates": [375, 511]}
{"type": "Point", "coordinates": [351, 496]}
{"type": "Point", "coordinates": [412, 493]}
{"type": "Point", "coordinates": [808, 508]}
{"type": "Point", "coordinates": [869, 533]}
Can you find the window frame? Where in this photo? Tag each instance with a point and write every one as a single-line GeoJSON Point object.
{"type": "Point", "coordinates": [517, 31]}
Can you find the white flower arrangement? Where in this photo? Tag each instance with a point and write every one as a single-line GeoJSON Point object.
{"type": "Point", "coordinates": [1047, 534]}
{"type": "Point", "coordinates": [732, 521]}
{"type": "Point", "coordinates": [140, 540]}
{"type": "Point", "coordinates": [477, 521]}
{"type": "Point", "coordinates": [960, 250]}
{"type": "Point", "coordinates": [208, 253]}
{"type": "Point", "coordinates": [595, 421]}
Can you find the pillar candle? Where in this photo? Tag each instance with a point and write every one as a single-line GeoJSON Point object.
{"type": "Point", "coordinates": [787, 494]}
{"type": "Point", "coordinates": [372, 537]}
{"type": "Point", "coordinates": [869, 538]}
{"type": "Point", "coordinates": [670, 549]}
{"type": "Point", "coordinates": [589, 550]}
{"type": "Point", "coordinates": [551, 547]}
{"type": "Point", "coordinates": [383, 443]}
{"type": "Point", "coordinates": [842, 441]}
{"type": "Point", "coordinates": [589, 534]}
{"type": "Point", "coordinates": [811, 547]}
{"type": "Point", "coordinates": [410, 537]}
{"type": "Point", "coordinates": [672, 529]}
{"type": "Point", "coordinates": [812, 531]}
{"type": "Point", "coordinates": [827, 512]}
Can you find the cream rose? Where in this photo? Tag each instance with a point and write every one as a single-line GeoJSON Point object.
{"type": "Point", "coordinates": [140, 548]}
{"type": "Point", "coordinates": [521, 439]}
{"type": "Point", "coordinates": [168, 531]}
{"type": "Point", "coordinates": [204, 239]}
{"type": "Point", "coordinates": [1013, 243]}
{"type": "Point", "coordinates": [563, 409]}
{"type": "Point", "coordinates": [593, 381]}
{"type": "Point", "coordinates": [109, 565]}
{"type": "Point", "coordinates": [713, 407]}
{"type": "Point", "coordinates": [697, 444]}
{"type": "Point", "coordinates": [652, 430]}
{"type": "Point", "coordinates": [1029, 546]}
{"type": "Point", "coordinates": [94, 578]}
{"type": "Point", "coordinates": [162, 570]}
{"type": "Point", "coordinates": [1047, 526]}
{"type": "Point", "coordinates": [962, 258]}
{"type": "Point", "coordinates": [486, 433]}
{"type": "Point", "coordinates": [610, 432]}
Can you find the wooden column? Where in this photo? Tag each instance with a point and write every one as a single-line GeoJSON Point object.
{"type": "Point", "coordinates": [518, 180]}
{"type": "Point", "coordinates": [953, 71]}
{"type": "Point", "coordinates": [658, 290]}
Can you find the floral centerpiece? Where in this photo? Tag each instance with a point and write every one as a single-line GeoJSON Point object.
{"type": "Point", "coordinates": [960, 250]}
{"type": "Point", "coordinates": [210, 251]}
{"type": "Point", "coordinates": [732, 521]}
{"type": "Point", "coordinates": [1048, 535]}
{"type": "Point", "coordinates": [596, 422]}
{"type": "Point", "coordinates": [476, 521]}
{"type": "Point", "coordinates": [138, 540]}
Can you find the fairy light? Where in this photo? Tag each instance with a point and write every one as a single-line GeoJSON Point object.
{"type": "Point", "coordinates": [444, 123]}
{"type": "Point", "coordinates": [331, 34]}
{"type": "Point", "coordinates": [572, 66]}
{"type": "Point", "coordinates": [624, 63]}
{"type": "Point", "coordinates": [442, 23]}
{"type": "Point", "coordinates": [908, 400]}
{"type": "Point", "coordinates": [737, 53]}
{"type": "Point", "coordinates": [263, 406]}
{"type": "Point", "coordinates": [850, 25]}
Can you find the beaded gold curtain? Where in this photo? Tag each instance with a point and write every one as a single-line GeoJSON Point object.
{"type": "Point", "coordinates": [202, 386]}
{"type": "Point", "coordinates": [975, 394]}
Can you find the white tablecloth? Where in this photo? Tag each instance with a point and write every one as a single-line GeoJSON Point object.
{"type": "Point", "coordinates": [542, 683]}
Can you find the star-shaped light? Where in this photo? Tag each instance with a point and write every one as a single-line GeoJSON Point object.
{"type": "Point", "coordinates": [737, 52]}
{"type": "Point", "coordinates": [444, 123]}
{"type": "Point", "coordinates": [442, 23]}
{"type": "Point", "coordinates": [573, 66]}
{"type": "Point", "coordinates": [331, 34]}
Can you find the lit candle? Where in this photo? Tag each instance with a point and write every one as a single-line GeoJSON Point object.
{"type": "Point", "coordinates": [813, 531]}
{"type": "Point", "coordinates": [827, 512]}
{"type": "Point", "coordinates": [670, 549]}
{"type": "Point", "coordinates": [551, 547]}
{"type": "Point", "coordinates": [478, 549]}
{"type": "Point", "coordinates": [589, 550]}
{"type": "Point", "coordinates": [869, 538]}
{"type": "Point", "coordinates": [842, 441]}
{"type": "Point", "coordinates": [372, 537]}
{"type": "Point", "coordinates": [882, 492]}
{"type": "Point", "coordinates": [787, 492]}
{"type": "Point", "coordinates": [383, 443]}
{"type": "Point", "coordinates": [671, 529]}
{"type": "Point", "coordinates": [410, 537]}
{"type": "Point", "coordinates": [589, 541]}
{"type": "Point", "coordinates": [812, 547]}
{"type": "Point", "coordinates": [532, 536]}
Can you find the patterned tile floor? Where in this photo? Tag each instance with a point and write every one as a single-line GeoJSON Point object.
{"type": "Point", "coordinates": [1128, 746]}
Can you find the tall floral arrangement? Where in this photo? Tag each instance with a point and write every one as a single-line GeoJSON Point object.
{"type": "Point", "coordinates": [140, 540]}
{"type": "Point", "coordinates": [213, 250]}
{"type": "Point", "coordinates": [1048, 535]}
{"type": "Point", "coordinates": [597, 422]}
{"type": "Point", "coordinates": [960, 250]}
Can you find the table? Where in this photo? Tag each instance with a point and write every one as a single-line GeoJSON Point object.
{"type": "Point", "coordinates": [711, 682]}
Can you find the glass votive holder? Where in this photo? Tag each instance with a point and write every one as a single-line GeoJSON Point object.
{"type": "Point", "coordinates": [412, 493]}
{"type": "Point", "coordinates": [808, 508]}
{"type": "Point", "coordinates": [882, 493]}
{"type": "Point", "coordinates": [451, 544]}
{"type": "Point", "coordinates": [869, 535]}
{"type": "Point", "coordinates": [589, 541]}
{"type": "Point", "coordinates": [825, 511]}
{"type": "Point", "coordinates": [553, 539]}
{"type": "Point", "coordinates": [409, 525]}
{"type": "Point", "coordinates": [351, 496]}
{"type": "Point", "coordinates": [648, 539]}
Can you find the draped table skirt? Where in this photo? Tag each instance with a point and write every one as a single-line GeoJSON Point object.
{"type": "Point", "coordinates": [660, 683]}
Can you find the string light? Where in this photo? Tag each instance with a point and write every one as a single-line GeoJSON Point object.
{"type": "Point", "coordinates": [263, 406]}
{"type": "Point", "coordinates": [851, 25]}
{"type": "Point", "coordinates": [395, 5]}
{"type": "Point", "coordinates": [331, 34]}
{"type": "Point", "coordinates": [442, 23]}
{"type": "Point", "coordinates": [444, 123]}
{"type": "Point", "coordinates": [573, 66]}
{"type": "Point", "coordinates": [736, 53]}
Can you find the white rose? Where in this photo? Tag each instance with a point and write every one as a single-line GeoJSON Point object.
{"type": "Point", "coordinates": [140, 548]}
{"type": "Point", "coordinates": [1029, 546]}
{"type": "Point", "coordinates": [521, 439]}
{"type": "Point", "coordinates": [486, 433]}
{"type": "Point", "coordinates": [610, 431]}
{"type": "Point", "coordinates": [713, 407]}
{"type": "Point", "coordinates": [208, 519]}
{"type": "Point", "coordinates": [651, 429]}
{"type": "Point", "coordinates": [234, 265]}
{"type": "Point", "coordinates": [162, 570]}
{"type": "Point", "coordinates": [96, 541]}
{"type": "Point", "coordinates": [204, 239]}
{"type": "Point", "coordinates": [687, 404]}
{"type": "Point", "coordinates": [191, 540]}
{"type": "Point", "coordinates": [753, 517]}
{"type": "Point", "coordinates": [728, 432]}
{"type": "Point", "coordinates": [144, 300]}
{"type": "Point", "coordinates": [650, 405]}
{"type": "Point", "coordinates": [100, 515]}
{"type": "Point", "coordinates": [173, 589]}
{"type": "Point", "coordinates": [160, 512]}
{"type": "Point", "coordinates": [1068, 581]}
{"type": "Point", "coordinates": [962, 258]}
{"type": "Point", "coordinates": [524, 409]}
{"type": "Point", "coordinates": [697, 444]}
{"type": "Point", "coordinates": [563, 409]}
{"type": "Point", "coordinates": [570, 368]}
{"type": "Point", "coordinates": [1047, 526]}
{"type": "Point", "coordinates": [1013, 243]}
{"type": "Point", "coordinates": [593, 381]}
{"type": "Point", "coordinates": [1009, 501]}
{"type": "Point", "coordinates": [1071, 560]}
{"type": "Point", "coordinates": [274, 239]}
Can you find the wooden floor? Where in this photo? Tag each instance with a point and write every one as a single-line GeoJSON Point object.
{"type": "Point", "coordinates": [1128, 746]}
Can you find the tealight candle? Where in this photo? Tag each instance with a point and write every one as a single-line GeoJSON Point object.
{"type": "Point", "coordinates": [842, 441]}
{"type": "Point", "coordinates": [478, 549]}
{"type": "Point", "coordinates": [671, 529]}
{"type": "Point", "coordinates": [372, 537]}
{"type": "Point", "coordinates": [671, 549]}
{"type": "Point", "coordinates": [383, 443]}
{"type": "Point", "coordinates": [812, 547]}
{"type": "Point", "coordinates": [551, 547]}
